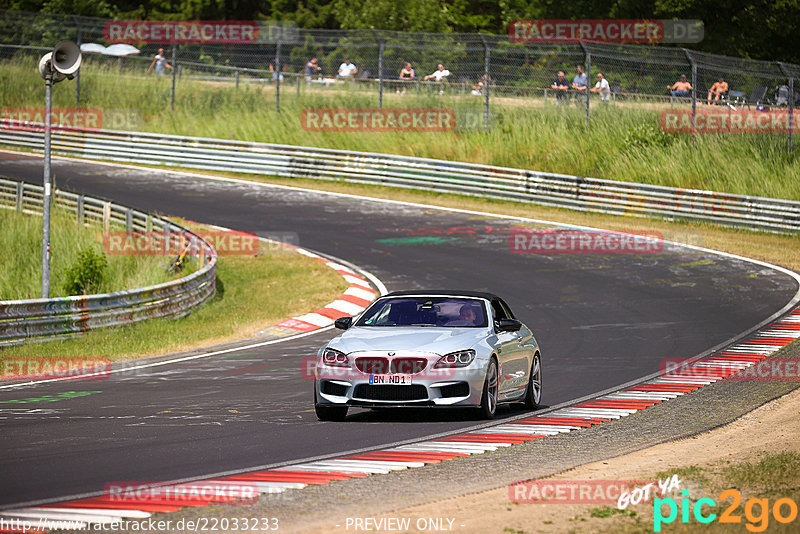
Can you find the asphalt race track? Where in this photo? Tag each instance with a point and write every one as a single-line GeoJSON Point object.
{"type": "Point", "coordinates": [601, 320]}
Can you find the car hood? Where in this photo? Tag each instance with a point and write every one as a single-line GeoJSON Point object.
{"type": "Point", "coordinates": [428, 339]}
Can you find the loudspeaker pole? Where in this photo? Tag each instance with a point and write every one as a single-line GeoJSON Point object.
{"type": "Point", "coordinates": [48, 101]}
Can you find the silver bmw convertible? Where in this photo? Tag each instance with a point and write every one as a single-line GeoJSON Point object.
{"type": "Point", "coordinates": [429, 348]}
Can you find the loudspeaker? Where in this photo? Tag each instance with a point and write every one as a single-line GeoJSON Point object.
{"type": "Point", "coordinates": [63, 62]}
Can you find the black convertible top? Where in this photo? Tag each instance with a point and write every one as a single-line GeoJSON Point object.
{"type": "Point", "coordinates": [444, 293]}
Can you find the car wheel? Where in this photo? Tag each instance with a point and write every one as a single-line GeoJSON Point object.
{"type": "Point", "coordinates": [533, 393]}
{"type": "Point", "coordinates": [490, 389]}
{"type": "Point", "coordinates": [328, 413]}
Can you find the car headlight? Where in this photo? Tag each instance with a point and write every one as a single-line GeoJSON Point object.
{"type": "Point", "coordinates": [335, 358]}
{"type": "Point", "coordinates": [461, 358]}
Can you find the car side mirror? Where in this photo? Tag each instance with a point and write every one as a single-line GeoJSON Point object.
{"type": "Point", "coordinates": [507, 325]}
{"type": "Point", "coordinates": [343, 323]}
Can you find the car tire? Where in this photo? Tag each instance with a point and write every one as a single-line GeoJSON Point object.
{"type": "Point", "coordinates": [533, 391]}
{"type": "Point", "coordinates": [491, 386]}
{"type": "Point", "coordinates": [328, 413]}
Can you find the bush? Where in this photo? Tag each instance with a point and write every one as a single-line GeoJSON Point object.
{"type": "Point", "coordinates": [87, 273]}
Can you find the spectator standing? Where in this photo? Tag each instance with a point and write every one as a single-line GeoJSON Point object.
{"type": "Point", "coordinates": [160, 61]}
{"type": "Point", "coordinates": [579, 82]}
{"type": "Point", "coordinates": [681, 87]}
{"type": "Point", "coordinates": [312, 68]}
{"type": "Point", "coordinates": [602, 87]}
{"type": "Point", "coordinates": [347, 70]}
{"type": "Point", "coordinates": [272, 70]}
{"type": "Point", "coordinates": [561, 86]}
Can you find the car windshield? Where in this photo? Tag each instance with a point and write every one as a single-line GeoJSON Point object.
{"type": "Point", "coordinates": [425, 311]}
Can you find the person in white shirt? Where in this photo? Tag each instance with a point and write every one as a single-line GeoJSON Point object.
{"type": "Point", "coordinates": [347, 69]}
{"type": "Point", "coordinates": [439, 74]}
{"type": "Point", "coordinates": [602, 87]}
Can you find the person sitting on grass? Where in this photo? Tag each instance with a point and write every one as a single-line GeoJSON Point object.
{"type": "Point", "coordinates": [718, 90]}
{"type": "Point", "coordinates": [681, 87]}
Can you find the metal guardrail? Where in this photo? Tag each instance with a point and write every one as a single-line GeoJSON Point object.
{"type": "Point", "coordinates": [43, 319]}
{"type": "Point", "coordinates": [558, 190]}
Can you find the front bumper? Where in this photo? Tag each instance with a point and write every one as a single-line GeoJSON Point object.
{"type": "Point", "coordinates": [456, 387]}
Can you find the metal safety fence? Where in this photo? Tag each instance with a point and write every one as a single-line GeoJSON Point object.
{"type": "Point", "coordinates": [483, 68]}
{"type": "Point", "coordinates": [559, 190]}
{"type": "Point", "coordinates": [43, 319]}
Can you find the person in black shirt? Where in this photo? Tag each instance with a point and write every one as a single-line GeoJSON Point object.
{"type": "Point", "coordinates": [560, 85]}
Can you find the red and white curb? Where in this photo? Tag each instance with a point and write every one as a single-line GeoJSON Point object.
{"type": "Point", "coordinates": [626, 401]}
{"type": "Point", "coordinates": [353, 301]}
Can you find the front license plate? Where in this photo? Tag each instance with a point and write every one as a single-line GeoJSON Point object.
{"type": "Point", "coordinates": [395, 380]}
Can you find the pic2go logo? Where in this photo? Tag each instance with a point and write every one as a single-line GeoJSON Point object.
{"type": "Point", "coordinates": [756, 511]}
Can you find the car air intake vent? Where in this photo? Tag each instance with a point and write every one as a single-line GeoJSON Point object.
{"type": "Point", "coordinates": [332, 388]}
{"type": "Point", "coordinates": [455, 390]}
{"type": "Point", "coordinates": [408, 366]}
{"type": "Point", "coordinates": [391, 393]}
{"type": "Point", "coordinates": [374, 366]}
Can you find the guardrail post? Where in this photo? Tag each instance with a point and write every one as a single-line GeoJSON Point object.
{"type": "Point", "coordinates": [380, 67]}
{"type": "Point", "coordinates": [81, 200]}
{"type": "Point", "coordinates": [20, 195]}
{"type": "Point", "coordinates": [148, 224]}
{"type": "Point", "coordinates": [129, 220]}
{"type": "Point", "coordinates": [174, 74]}
{"type": "Point", "coordinates": [106, 217]}
{"type": "Point", "coordinates": [485, 83]}
{"type": "Point", "coordinates": [694, 92]}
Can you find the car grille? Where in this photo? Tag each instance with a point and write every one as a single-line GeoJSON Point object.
{"type": "Point", "coordinates": [332, 388]}
{"type": "Point", "coordinates": [380, 366]}
{"type": "Point", "coordinates": [375, 366]}
{"type": "Point", "coordinates": [391, 393]}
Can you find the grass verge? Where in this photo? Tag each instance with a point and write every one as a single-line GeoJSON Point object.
{"type": "Point", "coordinates": [621, 142]}
{"type": "Point", "coordinates": [21, 271]}
{"type": "Point", "coordinates": [253, 291]}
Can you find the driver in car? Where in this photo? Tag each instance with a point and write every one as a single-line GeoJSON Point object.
{"type": "Point", "coordinates": [466, 317]}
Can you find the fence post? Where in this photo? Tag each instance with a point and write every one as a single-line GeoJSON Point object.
{"type": "Point", "coordinates": [78, 74]}
{"type": "Point", "coordinates": [81, 200]}
{"type": "Point", "coordinates": [297, 78]}
{"type": "Point", "coordinates": [174, 73]}
{"type": "Point", "coordinates": [20, 195]}
{"type": "Point", "coordinates": [106, 216]}
{"type": "Point", "coordinates": [790, 117]}
{"type": "Point", "coordinates": [277, 74]}
{"type": "Point", "coordinates": [694, 92]}
{"type": "Point", "coordinates": [486, 61]}
{"type": "Point", "coordinates": [380, 67]}
{"type": "Point", "coordinates": [236, 77]}
{"type": "Point", "coordinates": [588, 77]}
